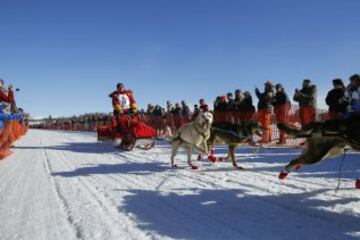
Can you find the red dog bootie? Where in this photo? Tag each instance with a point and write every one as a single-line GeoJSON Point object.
{"type": "Point", "coordinates": [212, 158]}
{"type": "Point", "coordinates": [357, 183]}
{"type": "Point", "coordinates": [199, 158]}
{"type": "Point", "coordinates": [193, 167]}
{"type": "Point", "coordinates": [283, 175]}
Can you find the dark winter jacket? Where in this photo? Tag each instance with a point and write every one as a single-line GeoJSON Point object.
{"type": "Point", "coordinates": [306, 97]}
{"type": "Point", "coordinates": [230, 105]}
{"type": "Point", "coordinates": [264, 99]}
{"type": "Point", "coordinates": [280, 99]}
{"type": "Point", "coordinates": [186, 112]}
{"type": "Point", "coordinates": [204, 108]}
{"type": "Point", "coordinates": [177, 112]}
{"type": "Point", "coordinates": [332, 100]}
{"type": "Point", "coordinates": [246, 105]}
{"type": "Point", "coordinates": [236, 104]}
{"type": "Point", "coordinates": [221, 107]}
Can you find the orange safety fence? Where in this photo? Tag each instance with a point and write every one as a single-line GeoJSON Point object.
{"type": "Point", "coordinates": [160, 123]}
{"type": "Point", "coordinates": [12, 131]}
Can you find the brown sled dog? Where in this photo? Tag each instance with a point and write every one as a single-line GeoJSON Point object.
{"type": "Point", "coordinates": [323, 139]}
{"type": "Point", "coordinates": [232, 135]}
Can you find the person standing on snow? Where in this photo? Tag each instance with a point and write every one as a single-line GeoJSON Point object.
{"type": "Point", "coordinates": [352, 95]}
{"type": "Point", "coordinates": [203, 106]}
{"type": "Point", "coordinates": [264, 110]}
{"type": "Point", "coordinates": [236, 105]}
{"type": "Point", "coordinates": [335, 99]}
{"type": "Point", "coordinates": [9, 97]}
{"type": "Point", "coordinates": [306, 97]}
{"type": "Point", "coordinates": [281, 105]}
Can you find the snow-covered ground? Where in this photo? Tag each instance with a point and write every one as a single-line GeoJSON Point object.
{"type": "Point", "coordinates": [66, 185]}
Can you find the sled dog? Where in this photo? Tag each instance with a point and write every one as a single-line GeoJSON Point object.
{"type": "Point", "coordinates": [323, 139]}
{"type": "Point", "coordinates": [232, 135]}
{"type": "Point", "coordinates": [192, 136]}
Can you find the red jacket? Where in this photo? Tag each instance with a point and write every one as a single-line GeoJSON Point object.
{"type": "Point", "coordinates": [123, 101]}
{"type": "Point", "coordinates": [7, 98]}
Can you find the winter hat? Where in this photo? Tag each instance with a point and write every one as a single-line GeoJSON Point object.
{"type": "Point", "coordinates": [338, 81]}
{"type": "Point", "coordinates": [307, 81]}
{"type": "Point", "coordinates": [246, 93]}
{"type": "Point", "coordinates": [223, 98]}
{"type": "Point", "coordinates": [279, 85]}
{"type": "Point", "coordinates": [268, 84]}
{"type": "Point", "coordinates": [120, 85]}
{"type": "Point", "coordinates": [355, 77]}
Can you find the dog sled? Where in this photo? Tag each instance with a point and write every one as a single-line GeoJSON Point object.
{"type": "Point", "coordinates": [131, 131]}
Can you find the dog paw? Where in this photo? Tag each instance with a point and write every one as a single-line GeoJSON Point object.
{"type": "Point", "coordinates": [199, 158]}
{"type": "Point", "coordinates": [193, 167]}
{"type": "Point", "coordinates": [357, 183]}
{"type": "Point", "coordinates": [212, 158]}
{"type": "Point", "coordinates": [174, 166]}
{"type": "Point", "coordinates": [239, 167]}
{"type": "Point", "coordinates": [283, 175]}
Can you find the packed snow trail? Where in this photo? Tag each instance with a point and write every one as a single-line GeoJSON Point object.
{"type": "Point", "coordinates": [66, 185]}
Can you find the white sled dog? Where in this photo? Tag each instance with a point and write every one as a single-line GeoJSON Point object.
{"type": "Point", "coordinates": [192, 136]}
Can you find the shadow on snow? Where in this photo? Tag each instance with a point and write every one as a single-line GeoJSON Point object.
{"type": "Point", "coordinates": [232, 214]}
{"type": "Point", "coordinates": [123, 168]}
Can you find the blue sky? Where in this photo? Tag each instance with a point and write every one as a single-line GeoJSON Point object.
{"type": "Point", "coordinates": [66, 56]}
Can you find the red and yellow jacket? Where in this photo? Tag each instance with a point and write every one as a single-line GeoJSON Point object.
{"type": "Point", "coordinates": [123, 101]}
{"type": "Point", "coordinates": [7, 98]}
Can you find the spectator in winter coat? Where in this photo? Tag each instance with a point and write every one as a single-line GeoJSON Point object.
{"type": "Point", "coordinates": [352, 94]}
{"type": "Point", "coordinates": [247, 103]}
{"type": "Point", "coordinates": [177, 114]}
{"type": "Point", "coordinates": [203, 106]}
{"type": "Point", "coordinates": [230, 102]}
{"type": "Point", "coordinates": [9, 97]}
{"type": "Point", "coordinates": [335, 99]}
{"type": "Point", "coordinates": [236, 105]}
{"type": "Point", "coordinates": [220, 109]}
{"type": "Point", "coordinates": [222, 105]}
{"type": "Point", "coordinates": [169, 107]}
{"type": "Point", "coordinates": [246, 107]}
{"type": "Point", "coordinates": [186, 113]}
{"type": "Point", "coordinates": [216, 103]}
{"type": "Point", "coordinates": [177, 111]}
{"type": "Point", "coordinates": [158, 111]}
{"type": "Point", "coordinates": [264, 110]}
{"type": "Point", "coordinates": [150, 109]}
{"type": "Point", "coordinates": [237, 101]}
{"type": "Point", "coordinates": [196, 112]}
{"type": "Point", "coordinates": [306, 98]}
{"type": "Point", "coordinates": [281, 105]}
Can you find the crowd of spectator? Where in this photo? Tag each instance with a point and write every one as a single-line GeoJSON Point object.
{"type": "Point", "coordinates": [273, 106]}
{"type": "Point", "coordinates": [8, 104]}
